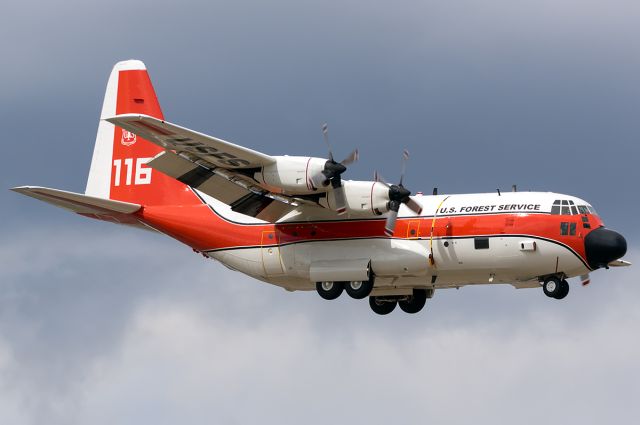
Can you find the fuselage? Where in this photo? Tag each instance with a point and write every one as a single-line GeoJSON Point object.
{"type": "Point", "coordinates": [513, 237]}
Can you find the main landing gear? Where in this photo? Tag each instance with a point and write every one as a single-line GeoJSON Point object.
{"type": "Point", "coordinates": [554, 287]}
{"type": "Point", "coordinates": [356, 289]}
{"type": "Point", "coordinates": [384, 304]}
{"type": "Point", "coordinates": [408, 303]}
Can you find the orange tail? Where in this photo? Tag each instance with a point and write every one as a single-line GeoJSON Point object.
{"type": "Point", "coordinates": [118, 169]}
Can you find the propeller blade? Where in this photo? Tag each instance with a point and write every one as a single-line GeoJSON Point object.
{"type": "Point", "coordinates": [390, 224]}
{"type": "Point", "coordinates": [377, 177]}
{"type": "Point", "coordinates": [341, 201]}
{"type": "Point", "coordinates": [413, 206]}
{"type": "Point", "coordinates": [405, 158]}
{"type": "Point", "coordinates": [585, 279]}
{"type": "Point", "coordinates": [325, 135]}
{"type": "Point", "coordinates": [353, 157]}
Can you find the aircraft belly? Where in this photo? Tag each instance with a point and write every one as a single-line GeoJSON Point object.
{"type": "Point", "coordinates": [405, 263]}
{"type": "Point", "coordinates": [503, 262]}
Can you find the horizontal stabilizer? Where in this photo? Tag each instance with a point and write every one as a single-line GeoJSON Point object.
{"type": "Point", "coordinates": [78, 203]}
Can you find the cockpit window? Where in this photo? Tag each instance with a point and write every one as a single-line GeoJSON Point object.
{"type": "Point", "coordinates": [567, 207]}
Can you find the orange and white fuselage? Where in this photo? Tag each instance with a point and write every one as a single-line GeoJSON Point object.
{"type": "Point", "coordinates": [430, 250]}
{"type": "Point", "coordinates": [272, 217]}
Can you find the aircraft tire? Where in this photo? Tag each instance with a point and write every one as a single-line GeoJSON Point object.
{"type": "Point", "coordinates": [329, 290]}
{"type": "Point", "coordinates": [564, 290]}
{"type": "Point", "coordinates": [381, 307]}
{"type": "Point", "coordinates": [415, 303]}
{"type": "Point", "coordinates": [552, 287]}
{"type": "Point", "coordinates": [359, 289]}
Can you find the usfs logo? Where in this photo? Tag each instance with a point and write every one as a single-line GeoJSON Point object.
{"type": "Point", "coordinates": [128, 138]}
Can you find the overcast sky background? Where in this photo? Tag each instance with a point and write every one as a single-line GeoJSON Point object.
{"type": "Point", "coordinates": [100, 324]}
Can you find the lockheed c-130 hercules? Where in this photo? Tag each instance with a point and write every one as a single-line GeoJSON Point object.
{"type": "Point", "coordinates": [293, 222]}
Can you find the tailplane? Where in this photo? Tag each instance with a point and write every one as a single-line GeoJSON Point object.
{"type": "Point", "coordinates": [118, 171]}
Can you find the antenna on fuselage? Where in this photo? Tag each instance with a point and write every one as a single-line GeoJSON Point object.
{"type": "Point", "coordinates": [514, 188]}
{"type": "Point", "coordinates": [499, 194]}
{"type": "Point", "coordinates": [435, 190]}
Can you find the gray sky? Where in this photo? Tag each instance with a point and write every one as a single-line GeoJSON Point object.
{"type": "Point", "coordinates": [100, 324]}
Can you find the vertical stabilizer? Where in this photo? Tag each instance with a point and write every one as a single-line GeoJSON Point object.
{"type": "Point", "coordinates": [118, 169]}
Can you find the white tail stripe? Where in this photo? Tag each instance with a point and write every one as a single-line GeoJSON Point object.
{"type": "Point", "coordinates": [99, 181]}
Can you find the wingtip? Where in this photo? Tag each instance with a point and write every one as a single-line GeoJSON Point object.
{"type": "Point", "coordinates": [21, 189]}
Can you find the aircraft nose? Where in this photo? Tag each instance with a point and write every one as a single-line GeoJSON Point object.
{"type": "Point", "coordinates": [603, 246]}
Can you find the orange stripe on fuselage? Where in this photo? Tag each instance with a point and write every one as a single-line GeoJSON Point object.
{"type": "Point", "coordinates": [203, 229]}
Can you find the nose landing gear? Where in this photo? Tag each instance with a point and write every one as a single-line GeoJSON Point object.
{"type": "Point", "coordinates": [554, 287]}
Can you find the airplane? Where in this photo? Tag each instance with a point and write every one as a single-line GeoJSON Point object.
{"type": "Point", "coordinates": [292, 221]}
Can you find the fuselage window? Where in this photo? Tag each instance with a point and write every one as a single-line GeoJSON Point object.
{"type": "Point", "coordinates": [565, 208]}
{"type": "Point", "coordinates": [564, 228]}
{"type": "Point", "coordinates": [555, 209]}
{"type": "Point", "coordinates": [572, 229]}
{"type": "Point", "coordinates": [481, 243]}
{"type": "Point", "coordinates": [583, 209]}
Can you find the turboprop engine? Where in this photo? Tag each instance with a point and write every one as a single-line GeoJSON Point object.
{"type": "Point", "coordinates": [292, 175]}
{"type": "Point", "coordinates": [361, 198]}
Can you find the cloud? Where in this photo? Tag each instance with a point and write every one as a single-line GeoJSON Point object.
{"type": "Point", "coordinates": [157, 334]}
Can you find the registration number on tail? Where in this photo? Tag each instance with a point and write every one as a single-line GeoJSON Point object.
{"type": "Point", "coordinates": [131, 171]}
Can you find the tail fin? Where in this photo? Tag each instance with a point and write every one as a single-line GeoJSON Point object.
{"type": "Point", "coordinates": [118, 170]}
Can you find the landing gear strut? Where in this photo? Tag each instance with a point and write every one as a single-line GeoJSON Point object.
{"type": "Point", "coordinates": [554, 287]}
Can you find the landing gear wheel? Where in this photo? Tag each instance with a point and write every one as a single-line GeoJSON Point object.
{"type": "Point", "coordinates": [564, 290]}
{"type": "Point", "coordinates": [382, 306]}
{"type": "Point", "coordinates": [329, 290]}
{"type": "Point", "coordinates": [552, 287]}
{"type": "Point", "coordinates": [415, 302]}
{"type": "Point", "coordinates": [359, 289]}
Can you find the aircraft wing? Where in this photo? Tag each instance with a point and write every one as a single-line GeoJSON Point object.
{"type": "Point", "coordinates": [217, 152]}
{"type": "Point", "coordinates": [213, 166]}
{"type": "Point", "coordinates": [228, 186]}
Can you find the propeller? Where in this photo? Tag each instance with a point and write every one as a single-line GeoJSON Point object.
{"type": "Point", "coordinates": [331, 174]}
{"type": "Point", "coordinates": [398, 194]}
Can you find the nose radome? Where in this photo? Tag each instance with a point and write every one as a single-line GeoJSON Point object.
{"type": "Point", "coordinates": [603, 246]}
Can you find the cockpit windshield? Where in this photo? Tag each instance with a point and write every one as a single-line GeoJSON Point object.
{"type": "Point", "coordinates": [568, 207]}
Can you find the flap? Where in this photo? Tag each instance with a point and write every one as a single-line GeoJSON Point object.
{"type": "Point", "coordinates": [182, 140]}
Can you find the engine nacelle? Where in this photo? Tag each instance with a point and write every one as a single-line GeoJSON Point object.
{"type": "Point", "coordinates": [363, 197]}
{"type": "Point", "coordinates": [291, 175]}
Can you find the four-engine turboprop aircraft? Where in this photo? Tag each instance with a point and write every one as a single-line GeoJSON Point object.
{"type": "Point", "coordinates": [293, 222]}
